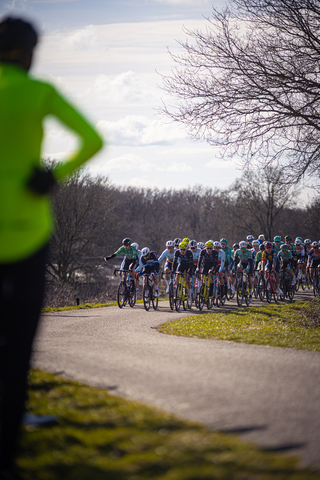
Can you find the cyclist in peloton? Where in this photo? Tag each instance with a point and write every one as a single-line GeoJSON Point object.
{"type": "Point", "coordinates": [209, 260]}
{"type": "Point", "coordinates": [271, 263]}
{"type": "Point", "coordinates": [130, 256]}
{"type": "Point", "coordinates": [244, 260]}
{"type": "Point", "coordinates": [314, 258]}
{"type": "Point", "coordinates": [151, 265]}
{"type": "Point", "coordinates": [185, 265]}
{"type": "Point", "coordinates": [227, 262]}
{"type": "Point", "coordinates": [277, 243]}
{"type": "Point", "coordinates": [167, 255]}
{"type": "Point", "coordinates": [196, 254]}
{"type": "Point", "coordinates": [286, 259]}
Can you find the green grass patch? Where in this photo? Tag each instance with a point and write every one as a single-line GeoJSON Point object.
{"type": "Point", "coordinates": [290, 325]}
{"type": "Point", "coordinates": [99, 436]}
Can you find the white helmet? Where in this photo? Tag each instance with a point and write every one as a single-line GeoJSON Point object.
{"type": "Point", "coordinates": [201, 245]}
{"type": "Point", "coordinates": [243, 244]}
{"type": "Point", "coordinates": [169, 243]}
{"type": "Point", "coordinates": [256, 243]}
{"type": "Point", "coordinates": [250, 238]}
{"type": "Point", "coordinates": [297, 241]}
{"type": "Point", "coordinates": [315, 244]}
{"type": "Point", "coordinates": [193, 243]}
{"type": "Point", "coordinates": [307, 241]}
{"type": "Point", "coordinates": [145, 251]}
{"type": "Point", "coordinates": [135, 245]}
{"type": "Point", "coordinates": [216, 245]}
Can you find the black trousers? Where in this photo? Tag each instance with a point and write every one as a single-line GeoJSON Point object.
{"type": "Point", "coordinates": [21, 296]}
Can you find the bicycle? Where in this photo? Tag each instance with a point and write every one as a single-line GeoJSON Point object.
{"type": "Point", "coordinates": [217, 291]}
{"type": "Point", "coordinates": [204, 293]}
{"type": "Point", "coordinates": [182, 293]}
{"type": "Point", "coordinates": [149, 292]}
{"type": "Point", "coordinates": [271, 288]}
{"type": "Point", "coordinates": [287, 290]}
{"type": "Point", "coordinates": [126, 290]}
{"type": "Point", "coordinates": [243, 289]}
{"type": "Point", "coordinates": [171, 290]}
{"type": "Point", "coordinates": [262, 286]}
{"type": "Point", "coordinates": [301, 278]}
{"type": "Point", "coordinates": [315, 283]}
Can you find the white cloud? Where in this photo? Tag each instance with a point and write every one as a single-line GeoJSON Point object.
{"type": "Point", "coordinates": [127, 162]}
{"type": "Point", "coordinates": [138, 130]}
{"type": "Point", "coordinates": [126, 87]}
{"type": "Point", "coordinates": [83, 39]}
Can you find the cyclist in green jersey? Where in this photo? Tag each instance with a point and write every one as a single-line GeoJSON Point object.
{"type": "Point", "coordinates": [26, 220]}
{"type": "Point", "coordinates": [130, 254]}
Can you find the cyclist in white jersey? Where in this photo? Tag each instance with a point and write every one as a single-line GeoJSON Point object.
{"type": "Point", "coordinates": [168, 255]}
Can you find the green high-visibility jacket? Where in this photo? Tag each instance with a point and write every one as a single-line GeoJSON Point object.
{"type": "Point", "coordinates": [26, 221]}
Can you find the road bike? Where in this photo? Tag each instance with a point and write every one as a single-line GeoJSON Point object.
{"type": "Point", "coordinates": [271, 287]}
{"type": "Point", "coordinates": [286, 289]}
{"type": "Point", "coordinates": [171, 289]}
{"type": "Point", "coordinates": [182, 293]}
{"type": "Point", "coordinates": [262, 286]}
{"type": "Point", "coordinates": [219, 298]}
{"type": "Point", "coordinates": [315, 283]}
{"type": "Point", "coordinates": [126, 290]}
{"type": "Point", "coordinates": [204, 297]}
{"type": "Point", "coordinates": [243, 288]}
{"type": "Point", "coordinates": [149, 292]}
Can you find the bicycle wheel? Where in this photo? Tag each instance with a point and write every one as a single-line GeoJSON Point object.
{"type": "Point", "coordinates": [201, 297]}
{"type": "Point", "coordinates": [239, 293]}
{"type": "Point", "coordinates": [283, 288]}
{"type": "Point", "coordinates": [122, 294]}
{"type": "Point", "coordinates": [132, 295]}
{"type": "Point", "coordinates": [171, 295]}
{"type": "Point", "coordinates": [268, 291]}
{"type": "Point", "coordinates": [290, 289]}
{"type": "Point", "coordinates": [246, 294]}
{"type": "Point", "coordinates": [178, 297]}
{"type": "Point", "coordinates": [146, 297]}
{"type": "Point", "coordinates": [303, 282]}
{"type": "Point", "coordinates": [155, 299]}
{"type": "Point", "coordinates": [261, 288]}
{"type": "Point", "coordinates": [184, 297]}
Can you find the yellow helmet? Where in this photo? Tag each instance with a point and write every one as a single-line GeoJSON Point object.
{"type": "Point", "coordinates": [186, 240]}
{"type": "Point", "coordinates": [209, 243]}
{"type": "Point", "coordinates": [183, 245]}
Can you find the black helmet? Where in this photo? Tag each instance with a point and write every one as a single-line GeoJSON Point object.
{"type": "Point", "coordinates": [16, 34]}
{"type": "Point", "coordinates": [126, 241]}
{"type": "Point", "coordinates": [262, 247]}
{"type": "Point", "coordinates": [288, 237]}
{"type": "Point", "coordinates": [235, 245]}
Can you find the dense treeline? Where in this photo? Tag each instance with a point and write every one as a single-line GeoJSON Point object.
{"type": "Point", "coordinates": [92, 217]}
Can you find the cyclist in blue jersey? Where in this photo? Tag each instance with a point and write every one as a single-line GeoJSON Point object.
{"type": "Point", "coordinates": [151, 265]}
{"type": "Point", "coordinates": [167, 255]}
{"type": "Point", "coordinates": [243, 260]}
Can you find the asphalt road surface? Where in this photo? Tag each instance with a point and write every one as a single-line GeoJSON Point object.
{"type": "Point", "coordinates": [267, 395]}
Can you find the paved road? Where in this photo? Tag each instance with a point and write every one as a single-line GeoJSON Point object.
{"type": "Point", "coordinates": [268, 395]}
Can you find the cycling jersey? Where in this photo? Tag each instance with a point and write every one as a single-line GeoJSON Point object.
{"type": "Point", "coordinates": [209, 260]}
{"type": "Point", "coordinates": [221, 260]}
{"type": "Point", "coordinates": [313, 254]}
{"type": "Point", "coordinates": [196, 256]}
{"type": "Point", "coordinates": [150, 265]}
{"type": "Point", "coordinates": [26, 220]}
{"type": "Point", "coordinates": [228, 256]}
{"type": "Point", "coordinates": [244, 258]}
{"type": "Point", "coordinates": [270, 257]}
{"type": "Point", "coordinates": [300, 251]}
{"type": "Point", "coordinates": [185, 261]}
{"type": "Point", "coordinates": [285, 258]}
{"type": "Point", "coordinates": [167, 255]}
{"type": "Point", "coordinates": [131, 253]}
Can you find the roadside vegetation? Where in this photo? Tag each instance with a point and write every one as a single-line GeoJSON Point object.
{"type": "Point", "coordinates": [289, 325]}
{"type": "Point", "coordinates": [99, 436]}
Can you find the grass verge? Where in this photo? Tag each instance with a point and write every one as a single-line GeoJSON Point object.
{"type": "Point", "coordinates": [99, 436]}
{"type": "Point", "coordinates": [289, 325]}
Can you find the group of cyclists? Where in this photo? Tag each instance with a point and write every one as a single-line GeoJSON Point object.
{"type": "Point", "coordinates": [217, 260]}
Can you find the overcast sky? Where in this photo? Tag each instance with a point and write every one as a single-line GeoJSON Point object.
{"type": "Point", "coordinates": [105, 55]}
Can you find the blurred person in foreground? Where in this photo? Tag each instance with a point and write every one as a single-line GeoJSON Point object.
{"type": "Point", "coordinates": [26, 221]}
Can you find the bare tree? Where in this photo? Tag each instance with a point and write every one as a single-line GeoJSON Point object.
{"type": "Point", "coordinates": [250, 83]}
{"type": "Point", "coordinates": [258, 199]}
{"type": "Point", "coordinates": [84, 212]}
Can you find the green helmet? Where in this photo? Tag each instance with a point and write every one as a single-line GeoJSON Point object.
{"type": "Point", "coordinates": [277, 238]}
{"type": "Point", "coordinates": [223, 240]}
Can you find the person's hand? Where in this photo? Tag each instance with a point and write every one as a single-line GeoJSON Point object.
{"type": "Point", "coordinates": [106, 259]}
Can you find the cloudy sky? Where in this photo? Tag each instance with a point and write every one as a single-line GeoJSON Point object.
{"type": "Point", "coordinates": [105, 55]}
